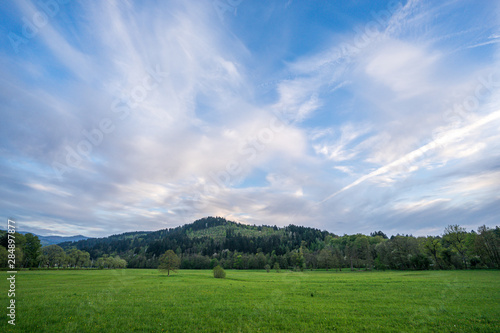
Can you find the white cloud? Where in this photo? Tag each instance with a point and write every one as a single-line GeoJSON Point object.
{"type": "Point", "coordinates": [366, 119]}
{"type": "Point", "coordinates": [403, 67]}
{"type": "Point", "coordinates": [344, 148]}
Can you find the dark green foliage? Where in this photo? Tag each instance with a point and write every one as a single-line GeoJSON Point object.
{"type": "Point", "coordinates": [378, 233]}
{"type": "Point", "coordinates": [203, 237]}
{"type": "Point", "coordinates": [456, 237]}
{"type": "Point", "coordinates": [219, 272]}
{"type": "Point", "coordinates": [487, 246]}
{"type": "Point", "coordinates": [297, 260]}
{"type": "Point", "coordinates": [27, 249]}
{"type": "Point", "coordinates": [32, 250]}
{"type": "Point", "coordinates": [213, 241]}
{"type": "Point", "coordinates": [30, 254]}
{"type": "Point", "coordinates": [267, 268]}
{"type": "Point", "coordinates": [214, 262]}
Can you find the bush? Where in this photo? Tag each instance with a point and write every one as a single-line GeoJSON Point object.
{"type": "Point", "coordinates": [268, 268]}
{"type": "Point", "coordinates": [219, 272]}
{"type": "Point", "coordinates": [277, 267]}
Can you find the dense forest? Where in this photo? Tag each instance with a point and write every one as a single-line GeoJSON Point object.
{"type": "Point", "coordinates": [213, 241]}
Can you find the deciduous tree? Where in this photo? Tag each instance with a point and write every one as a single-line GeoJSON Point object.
{"type": "Point", "coordinates": [433, 247]}
{"type": "Point", "coordinates": [32, 250]}
{"type": "Point", "coordinates": [169, 261]}
{"type": "Point", "coordinates": [53, 255]}
{"type": "Point", "coordinates": [456, 236]}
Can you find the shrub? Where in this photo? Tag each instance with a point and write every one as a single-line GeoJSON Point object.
{"type": "Point", "coordinates": [268, 268]}
{"type": "Point", "coordinates": [277, 267]}
{"type": "Point", "coordinates": [219, 272]}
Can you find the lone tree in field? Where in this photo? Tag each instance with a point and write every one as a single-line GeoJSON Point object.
{"type": "Point", "coordinates": [169, 261]}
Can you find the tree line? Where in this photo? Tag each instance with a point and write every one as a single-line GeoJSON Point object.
{"type": "Point", "coordinates": [29, 253]}
{"type": "Point", "coordinates": [211, 241]}
{"type": "Point", "coordinates": [214, 241]}
{"type": "Point", "coordinates": [455, 249]}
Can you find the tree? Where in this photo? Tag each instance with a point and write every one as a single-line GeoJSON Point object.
{"type": "Point", "coordinates": [72, 257]}
{"type": "Point", "coordinates": [169, 261]}
{"type": "Point", "coordinates": [310, 258]}
{"type": "Point", "coordinates": [83, 259]}
{"type": "Point", "coordinates": [4, 256]}
{"type": "Point", "coordinates": [102, 262]}
{"type": "Point", "coordinates": [350, 250]}
{"type": "Point", "coordinates": [77, 258]}
{"type": "Point", "coordinates": [432, 246]}
{"type": "Point", "coordinates": [238, 262]}
{"type": "Point", "coordinates": [456, 236]}
{"type": "Point", "coordinates": [399, 252]}
{"type": "Point", "coordinates": [31, 250]}
{"type": "Point", "coordinates": [19, 247]}
{"type": "Point", "coordinates": [213, 262]}
{"type": "Point", "coordinates": [362, 247]}
{"type": "Point", "coordinates": [326, 259]}
{"type": "Point", "coordinates": [277, 267]}
{"type": "Point", "coordinates": [297, 260]}
{"type": "Point", "coordinates": [260, 260]}
{"type": "Point", "coordinates": [378, 233]}
{"type": "Point", "coordinates": [487, 245]}
{"type": "Point", "coordinates": [118, 262]}
{"type": "Point", "coordinates": [53, 255]}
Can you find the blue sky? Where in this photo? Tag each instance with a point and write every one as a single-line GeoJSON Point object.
{"type": "Point", "coordinates": [348, 116]}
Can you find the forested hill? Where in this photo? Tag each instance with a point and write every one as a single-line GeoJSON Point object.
{"type": "Point", "coordinates": [204, 237]}
{"type": "Point", "coordinates": [214, 241]}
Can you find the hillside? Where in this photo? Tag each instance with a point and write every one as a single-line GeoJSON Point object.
{"type": "Point", "coordinates": [204, 237]}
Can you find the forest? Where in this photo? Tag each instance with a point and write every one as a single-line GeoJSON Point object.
{"type": "Point", "coordinates": [213, 241]}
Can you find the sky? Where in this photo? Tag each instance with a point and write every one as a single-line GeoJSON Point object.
{"type": "Point", "coordinates": [351, 116]}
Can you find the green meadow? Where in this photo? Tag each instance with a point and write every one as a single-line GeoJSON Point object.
{"type": "Point", "coordinates": [132, 300]}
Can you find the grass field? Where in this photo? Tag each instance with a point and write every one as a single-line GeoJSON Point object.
{"type": "Point", "coordinates": [252, 301]}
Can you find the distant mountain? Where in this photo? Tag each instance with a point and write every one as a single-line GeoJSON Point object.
{"type": "Point", "coordinates": [51, 240]}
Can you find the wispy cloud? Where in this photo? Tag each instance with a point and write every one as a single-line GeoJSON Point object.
{"type": "Point", "coordinates": [405, 163]}
{"type": "Point", "coordinates": [370, 122]}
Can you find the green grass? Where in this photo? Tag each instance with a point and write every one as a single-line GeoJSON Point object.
{"type": "Point", "coordinates": [253, 301]}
